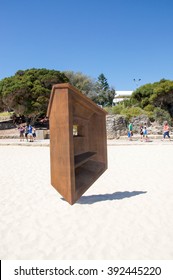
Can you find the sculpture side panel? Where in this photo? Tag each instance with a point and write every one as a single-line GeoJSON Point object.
{"type": "Point", "coordinates": [61, 141]}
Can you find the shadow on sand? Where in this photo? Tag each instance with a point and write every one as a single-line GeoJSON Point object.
{"type": "Point", "coordinates": [103, 197]}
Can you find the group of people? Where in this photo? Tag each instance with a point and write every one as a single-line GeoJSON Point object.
{"type": "Point", "coordinates": [27, 132]}
{"type": "Point", "coordinates": [144, 132]}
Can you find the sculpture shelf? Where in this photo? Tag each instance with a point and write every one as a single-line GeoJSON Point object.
{"type": "Point", "coordinates": [78, 148]}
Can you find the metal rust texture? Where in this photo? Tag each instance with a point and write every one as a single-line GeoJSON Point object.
{"type": "Point", "coordinates": [76, 159]}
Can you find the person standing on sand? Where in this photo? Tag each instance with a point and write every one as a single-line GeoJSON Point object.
{"type": "Point", "coordinates": [166, 131]}
{"type": "Point", "coordinates": [145, 132]}
{"type": "Point", "coordinates": [30, 135]}
{"type": "Point", "coordinates": [26, 132]}
{"type": "Point", "coordinates": [141, 131]}
{"type": "Point", "coordinates": [21, 131]}
{"type": "Point", "coordinates": [34, 133]}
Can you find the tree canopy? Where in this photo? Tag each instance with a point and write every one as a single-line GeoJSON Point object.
{"type": "Point", "coordinates": [99, 91]}
{"type": "Point", "coordinates": [153, 100]}
{"type": "Point", "coordinates": [104, 94]}
{"type": "Point", "coordinates": [158, 94]}
{"type": "Point", "coordinates": [82, 82]}
{"type": "Point", "coordinates": [28, 92]}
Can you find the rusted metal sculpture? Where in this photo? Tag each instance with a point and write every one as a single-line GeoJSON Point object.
{"type": "Point", "coordinates": [78, 148]}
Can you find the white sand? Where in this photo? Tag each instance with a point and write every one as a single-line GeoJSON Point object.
{"type": "Point", "coordinates": [126, 214]}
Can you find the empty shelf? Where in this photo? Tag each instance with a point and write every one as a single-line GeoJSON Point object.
{"type": "Point", "coordinates": [82, 158]}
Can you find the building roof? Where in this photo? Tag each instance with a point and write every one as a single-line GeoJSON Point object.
{"type": "Point", "coordinates": [123, 93]}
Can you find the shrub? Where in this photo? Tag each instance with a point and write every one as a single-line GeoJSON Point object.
{"type": "Point", "coordinates": [132, 112]}
{"type": "Point", "coordinates": [108, 110]}
{"type": "Point", "coordinates": [149, 108]}
{"type": "Point", "coordinates": [161, 115]}
{"type": "Point", "coordinates": [117, 108]}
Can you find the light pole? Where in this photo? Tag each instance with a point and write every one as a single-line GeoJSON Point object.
{"type": "Point", "coordinates": [136, 81]}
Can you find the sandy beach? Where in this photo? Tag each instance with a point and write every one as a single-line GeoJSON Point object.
{"type": "Point", "coordinates": [126, 214]}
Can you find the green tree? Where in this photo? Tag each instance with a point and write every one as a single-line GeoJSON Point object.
{"type": "Point", "coordinates": [82, 82]}
{"type": "Point", "coordinates": [161, 115]}
{"type": "Point", "coordinates": [102, 83]}
{"type": "Point", "coordinates": [158, 94]}
{"type": "Point", "coordinates": [28, 92]}
{"type": "Point", "coordinates": [104, 94]}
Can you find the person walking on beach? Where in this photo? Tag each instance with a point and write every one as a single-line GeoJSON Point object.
{"type": "Point", "coordinates": [145, 132]}
{"type": "Point", "coordinates": [130, 131]}
{"type": "Point", "coordinates": [166, 131]}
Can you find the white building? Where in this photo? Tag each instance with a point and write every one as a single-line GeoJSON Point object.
{"type": "Point", "coordinates": [122, 95]}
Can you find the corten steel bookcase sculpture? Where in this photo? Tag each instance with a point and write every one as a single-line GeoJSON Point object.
{"type": "Point", "coordinates": [78, 148]}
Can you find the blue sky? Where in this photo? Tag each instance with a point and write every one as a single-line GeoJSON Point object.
{"type": "Point", "coordinates": [123, 39]}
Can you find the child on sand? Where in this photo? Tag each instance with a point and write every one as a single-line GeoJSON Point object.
{"type": "Point", "coordinates": [21, 131]}
{"type": "Point", "coordinates": [145, 132]}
